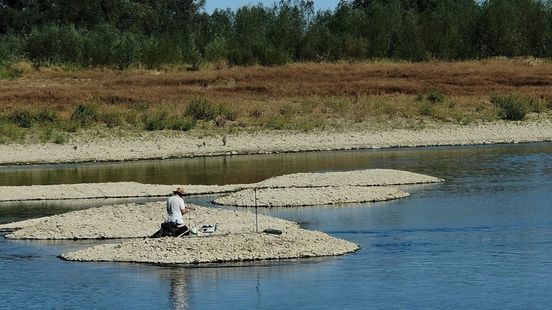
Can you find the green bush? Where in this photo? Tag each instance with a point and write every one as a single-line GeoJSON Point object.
{"type": "Point", "coordinates": [427, 109]}
{"type": "Point", "coordinates": [23, 118]}
{"type": "Point", "coordinates": [163, 120]}
{"type": "Point", "coordinates": [68, 125]}
{"type": "Point", "coordinates": [10, 132]}
{"type": "Point", "coordinates": [273, 57]}
{"type": "Point", "coordinates": [201, 109]}
{"type": "Point", "coordinates": [50, 134]}
{"type": "Point", "coordinates": [435, 96]}
{"type": "Point", "coordinates": [156, 121]}
{"type": "Point", "coordinates": [47, 115]}
{"type": "Point", "coordinates": [85, 114]}
{"type": "Point", "coordinates": [278, 122]}
{"type": "Point", "coordinates": [182, 123]}
{"type": "Point", "coordinates": [511, 107]}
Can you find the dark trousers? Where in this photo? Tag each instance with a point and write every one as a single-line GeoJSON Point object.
{"type": "Point", "coordinates": [170, 229]}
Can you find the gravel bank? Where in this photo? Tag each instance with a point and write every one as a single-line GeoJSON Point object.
{"type": "Point", "coordinates": [293, 243]}
{"type": "Point", "coordinates": [157, 145]}
{"type": "Point", "coordinates": [136, 221]}
{"type": "Point", "coordinates": [234, 240]}
{"type": "Point", "coordinates": [106, 190]}
{"type": "Point", "coordinates": [295, 197]}
{"type": "Point", "coordinates": [368, 177]}
{"type": "Point", "coordinates": [371, 177]}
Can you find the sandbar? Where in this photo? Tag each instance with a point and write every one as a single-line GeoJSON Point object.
{"type": "Point", "coordinates": [369, 177]}
{"type": "Point", "coordinates": [238, 236]}
{"type": "Point", "coordinates": [296, 197]}
{"type": "Point", "coordinates": [134, 221]}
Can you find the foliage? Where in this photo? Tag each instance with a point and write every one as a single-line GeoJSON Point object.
{"type": "Point", "coordinates": [51, 134]}
{"type": "Point", "coordinates": [47, 115]}
{"type": "Point", "coordinates": [511, 107]}
{"type": "Point", "coordinates": [202, 109]}
{"type": "Point", "coordinates": [435, 96]}
{"type": "Point", "coordinates": [182, 124]}
{"type": "Point", "coordinates": [163, 120]}
{"type": "Point", "coordinates": [23, 118]}
{"type": "Point", "coordinates": [132, 33]}
{"type": "Point", "coordinates": [10, 132]}
{"type": "Point", "coordinates": [85, 114]}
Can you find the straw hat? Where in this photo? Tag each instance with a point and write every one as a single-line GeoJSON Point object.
{"type": "Point", "coordinates": [179, 191]}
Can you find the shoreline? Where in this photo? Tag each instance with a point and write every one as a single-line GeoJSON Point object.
{"type": "Point", "coordinates": [155, 146]}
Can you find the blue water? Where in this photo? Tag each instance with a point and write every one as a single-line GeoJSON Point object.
{"type": "Point", "coordinates": [482, 240]}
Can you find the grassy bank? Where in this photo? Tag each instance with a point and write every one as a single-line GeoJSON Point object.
{"type": "Point", "coordinates": [48, 104]}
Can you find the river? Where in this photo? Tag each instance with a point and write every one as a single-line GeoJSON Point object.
{"type": "Point", "coordinates": [483, 239]}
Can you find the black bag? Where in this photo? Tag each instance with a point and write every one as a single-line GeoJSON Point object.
{"type": "Point", "coordinates": [170, 229]}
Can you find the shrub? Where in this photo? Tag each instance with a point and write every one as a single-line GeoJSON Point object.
{"type": "Point", "coordinates": [511, 107]}
{"type": "Point", "coordinates": [182, 123]}
{"type": "Point", "coordinates": [156, 121]}
{"type": "Point", "coordinates": [50, 134]}
{"type": "Point", "coordinates": [273, 57]}
{"type": "Point", "coordinates": [23, 118]}
{"type": "Point", "coordinates": [277, 122]}
{"type": "Point", "coordinates": [163, 120]}
{"type": "Point", "coordinates": [427, 109]}
{"type": "Point", "coordinates": [68, 125]}
{"type": "Point", "coordinates": [85, 114]}
{"type": "Point", "coordinates": [59, 138]}
{"type": "Point", "coordinates": [10, 132]}
{"type": "Point", "coordinates": [435, 96]}
{"type": "Point", "coordinates": [201, 109]}
{"type": "Point", "coordinates": [47, 115]}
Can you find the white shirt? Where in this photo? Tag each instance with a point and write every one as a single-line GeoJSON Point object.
{"type": "Point", "coordinates": [174, 205]}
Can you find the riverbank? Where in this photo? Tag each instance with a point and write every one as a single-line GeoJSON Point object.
{"type": "Point", "coordinates": [161, 145]}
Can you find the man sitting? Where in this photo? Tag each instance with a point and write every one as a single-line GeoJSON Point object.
{"type": "Point", "coordinates": [176, 208]}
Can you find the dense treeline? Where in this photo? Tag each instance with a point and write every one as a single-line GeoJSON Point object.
{"type": "Point", "coordinates": [153, 33]}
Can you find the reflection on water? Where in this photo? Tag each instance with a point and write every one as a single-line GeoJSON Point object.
{"type": "Point", "coordinates": [178, 294]}
{"type": "Point", "coordinates": [480, 240]}
{"type": "Point", "coordinates": [447, 162]}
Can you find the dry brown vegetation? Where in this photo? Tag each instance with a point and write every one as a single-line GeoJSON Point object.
{"type": "Point", "coordinates": [308, 95]}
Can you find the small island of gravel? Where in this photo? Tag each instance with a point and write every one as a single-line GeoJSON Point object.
{"type": "Point", "coordinates": [311, 189]}
{"type": "Point", "coordinates": [342, 187]}
{"type": "Point", "coordinates": [235, 239]}
{"type": "Point", "coordinates": [134, 221]}
{"type": "Point", "coordinates": [297, 197]}
{"type": "Point", "coordinates": [292, 243]}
